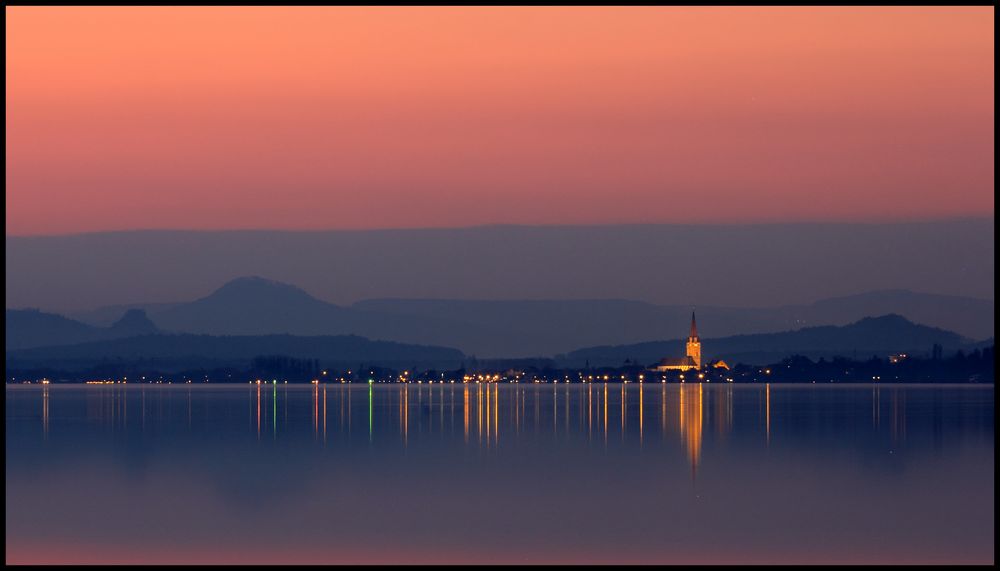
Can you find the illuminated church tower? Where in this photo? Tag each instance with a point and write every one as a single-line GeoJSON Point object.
{"type": "Point", "coordinates": [692, 360]}
{"type": "Point", "coordinates": [694, 344]}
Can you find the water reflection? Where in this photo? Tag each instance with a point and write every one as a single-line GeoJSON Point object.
{"type": "Point", "coordinates": [562, 459]}
{"type": "Point", "coordinates": [486, 410]}
{"type": "Point", "coordinates": [686, 410]}
{"type": "Point", "coordinates": [692, 407]}
{"type": "Point", "coordinates": [45, 411]}
{"type": "Point", "coordinates": [767, 400]}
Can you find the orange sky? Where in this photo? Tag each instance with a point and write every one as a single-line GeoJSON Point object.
{"type": "Point", "coordinates": [331, 117]}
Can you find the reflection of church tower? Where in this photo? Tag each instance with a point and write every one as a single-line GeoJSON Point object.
{"type": "Point", "coordinates": [694, 343]}
{"type": "Point", "coordinates": [691, 401]}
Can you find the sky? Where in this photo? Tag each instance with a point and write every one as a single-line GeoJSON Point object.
{"type": "Point", "coordinates": [375, 117]}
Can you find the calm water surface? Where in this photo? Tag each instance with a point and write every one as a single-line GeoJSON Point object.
{"type": "Point", "coordinates": [499, 473]}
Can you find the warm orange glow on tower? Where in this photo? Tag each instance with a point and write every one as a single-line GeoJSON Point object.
{"type": "Point", "coordinates": [692, 358]}
{"type": "Point", "coordinates": [694, 344]}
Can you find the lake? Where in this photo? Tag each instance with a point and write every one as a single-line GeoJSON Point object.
{"type": "Point", "coordinates": [489, 473]}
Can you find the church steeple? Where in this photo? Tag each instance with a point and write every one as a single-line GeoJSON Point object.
{"type": "Point", "coordinates": [694, 344]}
{"type": "Point", "coordinates": [692, 358]}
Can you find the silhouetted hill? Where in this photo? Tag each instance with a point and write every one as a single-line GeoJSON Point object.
{"type": "Point", "coordinates": [109, 314]}
{"type": "Point", "coordinates": [134, 322]}
{"type": "Point", "coordinates": [970, 317]}
{"type": "Point", "coordinates": [181, 351]}
{"type": "Point", "coordinates": [547, 327]}
{"type": "Point", "coordinates": [871, 335]}
{"type": "Point", "coordinates": [33, 328]}
{"type": "Point", "coordinates": [723, 265]}
{"type": "Point", "coordinates": [256, 306]}
{"type": "Point", "coordinates": [27, 328]}
{"type": "Point", "coordinates": [529, 328]}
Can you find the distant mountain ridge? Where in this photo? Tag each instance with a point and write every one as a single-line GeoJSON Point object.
{"type": "Point", "coordinates": [869, 336]}
{"type": "Point", "coordinates": [26, 328]}
{"type": "Point", "coordinates": [258, 306]}
{"type": "Point", "coordinates": [132, 323]}
{"type": "Point", "coordinates": [723, 265]}
{"type": "Point", "coordinates": [970, 317]}
{"type": "Point", "coordinates": [864, 338]}
{"type": "Point", "coordinates": [528, 328]}
{"type": "Point", "coordinates": [255, 306]}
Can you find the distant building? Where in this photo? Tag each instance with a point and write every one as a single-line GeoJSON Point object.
{"type": "Point", "coordinates": [719, 364]}
{"type": "Point", "coordinates": [692, 358]}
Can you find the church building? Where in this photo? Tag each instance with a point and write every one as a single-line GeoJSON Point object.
{"type": "Point", "coordinates": [692, 358]}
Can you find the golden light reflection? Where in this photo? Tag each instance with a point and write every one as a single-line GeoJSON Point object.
{"type": "Point", "coordinates": [692, 409]}
{"type": "Point", "coordinates": [767, 411]}
{"type": "Point", "coordinates": [694, 433]}
{"type": "Point", "coordinates": [691, 415]}
{"type": "Point", "coordinates": [465, 410]}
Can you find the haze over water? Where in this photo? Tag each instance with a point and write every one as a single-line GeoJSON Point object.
{"type": "Point", "coordinates": [653, 473]}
